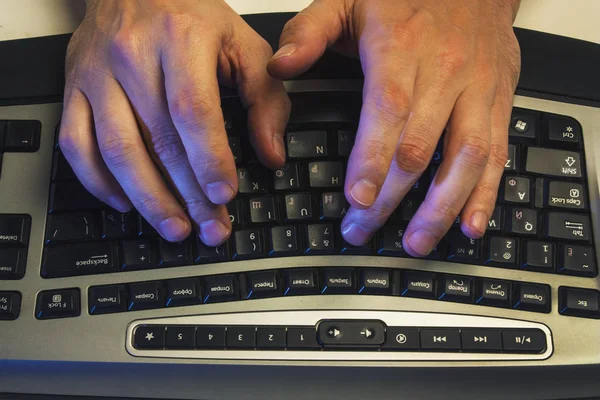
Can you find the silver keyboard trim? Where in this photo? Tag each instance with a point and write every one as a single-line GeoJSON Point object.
{"type": "Point", "coordinates": [24, 189]}
{"type": "Point", "coordinates": [290, 319]}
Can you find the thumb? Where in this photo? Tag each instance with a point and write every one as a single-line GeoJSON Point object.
{"type": "Point", "coordinates": [305, 38]}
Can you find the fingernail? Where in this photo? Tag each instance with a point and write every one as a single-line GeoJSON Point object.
{"type": "Point", "coordinates": [355, 234]}
{"type": "Point", "coordinates": [422, 242]}
{"type": "Point", "coordinates": [285, 51]}
{"type": "Point", "coordinates": [219, 192]}
{"type": "Point", "coordinates": [278, 146]}
{"type": "Point", "coordinates": [364, 192]}
{"type": "Point", "coordinates": [119, 203]}
{"type": "Point", "coordinates": [479, 221]}
{"type": "Point", "coordinates": [213, 232]}
{"type": "Point", "coordinates": [174, 229]}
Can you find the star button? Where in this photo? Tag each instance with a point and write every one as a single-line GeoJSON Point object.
{"type": "Point", "coordinates": [149, 336]}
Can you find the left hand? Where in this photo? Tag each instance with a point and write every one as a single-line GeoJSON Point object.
{"type": "Point", "coordinates": [429, 65]}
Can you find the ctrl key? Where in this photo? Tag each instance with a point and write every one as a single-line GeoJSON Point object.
{"type": "Point", "coordinates": [10, 305]}
{"type": "Point", "coordinates": [58, 304]}
{"type": "Point", "coordinates": [148, 337]}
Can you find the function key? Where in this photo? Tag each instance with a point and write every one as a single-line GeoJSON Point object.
{"type": "Point", "coordinates": [345, 142]}
{"type": "Point", "coordinates": [14, 229]}
{"type": "Point", "coordinates": [566, 226]}
{"type": "Point", "coordinates": [12, 263]}
{"type": "Point", "coordinates": [523, 126]}
{"type": "Point", "coordinates": [146, 295]}
{"type": "Point", "coordinates": [10, 305]}
{"type": "Point", "coordinates": [240, 337]}
{"type": "Point", "coordinates": [58, 304]}
{"type": "Point", "coordinates": [183, 292]}
{"type": "Point", "coordinates": [302, 339]}
{"type": "Point", "coordinates": [284, 240]}
{"type": "Point", "coordinates": [511, 161]}
{"type": "Point", "coordinates": [80, 259]}
{"type": "Point", "coordinates": [524, 341]}
{"type": "Point", "coordinates": [522, 221]}
{"type": "Point", "coordinates": [174, 254]}
{"type": "Point", "coordinates": [287, 177]}
{"type": "Point", "coordinates": [531, 297]}
{"type": "Point", "coordinates": [491, 292]}
{"type": "Point", "coordinates": [399, 339]}
{"type": "Point", "coordinates": [576, 260]}
{"type": "Point", "coordinates": [539, 256]}
{"type": "Point", "coordinates": [551, 162]}
{"type": "Point", "coordinates": [248, 243]}
{"type": "Point", "coordinates": [456, 288]}
{"type": "Point", "coordinates": [260, 285]}
{"type": "Point", "coordinates": [375, 281]}
{"type": "Point", "coordinates": [22, 136]}
{"type": "Point", "coordinates": [440, 339]}
{"type": "Point", "coordinates": [563, 132]}
{"type": "Point", "coordinates": [107, 299]}
{"type": "Point", "coordinates": [517, 189]}
{"type": "Point", "coordinates": [210, 337]}
{"type": "Point", "coordinates": [326, 174]}
{"type": "Point", "coordinates": [484, 340]}
{"type": "Point", "coordinates": [418, 284]}
{"type": "Point", "coordinates": [463, 248]}
{"type": "Point", "coordinates": [333, 205]}
{"type": "Point", "coordinates": [338, 281]}
{"type": "Point", "coordinates": [149, 337]}
{"type": "Point", "coordinates": [502, 252]}
{"type": "Point", "coordinates": [220, 288]}
{"type": "Point", "coordinates": [579, 302]}
{"type": "Point", "coordinates": [180, 337]}
{"type": "Point", "coordinates": [566, 195]}
{"type": "Point", "coordinates": [300, 282]}
{"type": "Point", "coordinates": [71, 226]}
{"type": "Point", "coordinates": [309, 144]}
{"type": "Point", "coordinates": [270, 338]}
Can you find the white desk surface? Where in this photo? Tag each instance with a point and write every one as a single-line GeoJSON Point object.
{"type": "Point", "coordinates": [31, 18]}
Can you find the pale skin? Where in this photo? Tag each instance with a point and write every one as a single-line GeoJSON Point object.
{"type": "Point", "coordinates": [142, 98]}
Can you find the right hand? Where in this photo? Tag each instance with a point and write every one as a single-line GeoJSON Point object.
{"type": "Point", "coordinates": [142, 85]}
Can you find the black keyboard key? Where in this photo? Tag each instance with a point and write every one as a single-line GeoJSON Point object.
{"type": "Point", "coordinates": [248, 243]}
{"type": "Point", "coordinates": [207, 255]}
{"type": "Point", "coordinates": [463, 249]}
{"type": "Point", "coordinates": [375, 281]}
{"type": "Point", "coordinates": [262, 209]}
{"type": "Point", "coordinates": [22, 136]}
{"type": "Point", "coordinates": [338, 281]}
{"type": "Point", "coordinates": [12, 263]}
{"type": "Point", "coordinates": [482, 340]}
{"type": "Point", "coordinates": [336, 333]}
{"type": "Point", "coordinates": [440, 339]}
{"type": "Point", "coordinates": [14, 229]}
{"type": "Point", "coordinates": [551, 162]}
{"type": "Point", "coordinates": [261, 285]}
{"type": "Point", "coordinates": [565, 226]}
{"type": "Point", "coordinates": [345, 142]}
{"type": "Point", "coordinates": [252, 179]}
{"type": "Point", "coordinates": [523, 341]}
{"type": "Point", "coordinates": [284, 241]}
{"type": "Point", "coordinates": [287, 177]}
{"type": "Point", "coordinates": [419, 284]}
{"type": "Point", "coordinates": [438, 155]}
{"type": "Point", "coordinates": [365, 249]}
{"type": "Point", "coordinates": [183, 292]}
{"type": "Point", "coordinates": [310, 144]}
{"type": "Point", "coordinates": [144, 228]}
{"type": "Point", "coordinates": [300, 282]}
{"type": "Point", "coordinates": [137, 254]}
{"type": "Point", "coordinates": [326, 174]}
{"type": "Point", "coordinates": [517, 189]}
{"type": "Point", "coordinates": [80, 259]}
{"type": "Point", "coordinates": [496, 222]}
{"type": "Point", "coordinates": [116, 225]}
{"type": "Point", "coordinates": [402, 339]}
{"type": "Point", "coordinates": [220, 288]}
{"type": "Point", "coordinates": [333, 205]}
{"type": "Point", "coordinates": [236, 149]}
{"type": "Point", "coordinates": [456, 288]}
{"type": "Point", "coordinates": [270, 338]}
{"type": "Point", "coordinates": [107, 299]}
{"type": "Point", "coordinates": [61, 170]}
{"type": "Point", "coordinates": [391, 241]}
{"type": "Point", "coordinates": [320, 239]}
{"type": "Point", "coordinates": [298, 206]}
{"type": "Point", "coordinates": [409, 206]}
{"type": "Point", "coordinates": [576, 260]}
{"type": "Point", "coordinates": [180, 337]}
{"type": "Point", "coordinates": [522, 221]}
{"type": "Point", "coordinates": [539, 256]}
{"type": "Point", "coordinates": [10, 305]}
{"type": "Point", "coordinates": [524, 125]}
{"type": "Point", "coordinates": [492, 292]}
{"type": "Point", "coordinates": [150, 337]}
{"type": "Point", "coordinates": [234, 208]}
{"type": "Point", "coordinates": [71, 196]}
{"type": "Point", "coordinates": [71, 227]}
{"type": "Point", "coordinates": [146, 295]}
{"type": "Point", "coordinates": [62, 303]}
{"type": "Point", "coordinates": [302, 339]}
{"type": "Point", "coordinates": [511, 161]}
{"type": "Point", "coordinates": [241, 337]}
{"type": "Point", "coordinates": [210, 337]}
{"type": "Point", "coordinates": [531, 297]}
{"type": "Point", "coordinates": [563, 132]}
{"type": "Point", "coordinates": [174, 254]}
{"type": "Point", "coordinates": [579, 302]}
{"type": "Point", "coordinates": [566, 195]}
{"type": "Point", "coordinates": [503, 252]}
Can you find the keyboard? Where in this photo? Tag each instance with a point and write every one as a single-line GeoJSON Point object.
{"type": "Point", "coordinates": [82, 282]}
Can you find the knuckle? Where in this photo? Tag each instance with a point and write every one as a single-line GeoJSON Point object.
{"type": "Point", "coordinates": [454, 55]}
{"type": "Point", "coordinates": [125, 46]}
{"type": "Point", "coordinates": [475, 151]}
{"type": "Point", "coordinates": [445, 211]}
{"type": "Point", "coordinates": [192, 105]}
{"type": "Point", "coordinates": [168, 148]}
{"type": "Point", "coordinates": [117, 151]}
{"type": "Point", "coordinates": [391, 101]}
{"type": "Point", "coordinates": [413, 156]}
{"type": "Point", "coordinates": [177, 24]}
{"type": "Point", "coordinates": [498, 155]}
{"type": "Point", "coordinates": [375, 157]}
{"type": "Point", "coordinates": [69, 143]}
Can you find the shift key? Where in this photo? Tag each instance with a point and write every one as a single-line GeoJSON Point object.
{"type": "Point", "coordinates": [80, 259]}
{"type": "Point", "coordinates": [551, 162]}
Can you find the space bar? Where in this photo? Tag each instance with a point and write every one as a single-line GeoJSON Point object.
{"type": "Point", "coordinates": [80, 259]}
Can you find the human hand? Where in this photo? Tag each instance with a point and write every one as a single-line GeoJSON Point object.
{"type": "Point", "coordinates": [142, 85]}
{"type": "Point", "coordinates": [429, 65]}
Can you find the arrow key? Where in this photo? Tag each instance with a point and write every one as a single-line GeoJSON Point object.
{"type": "Point", "coordinates": [210, 337]}
{"type": "Point", "coordinates": [485, 340]}
{"type": "Point", "coordinates": [440, 339]}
